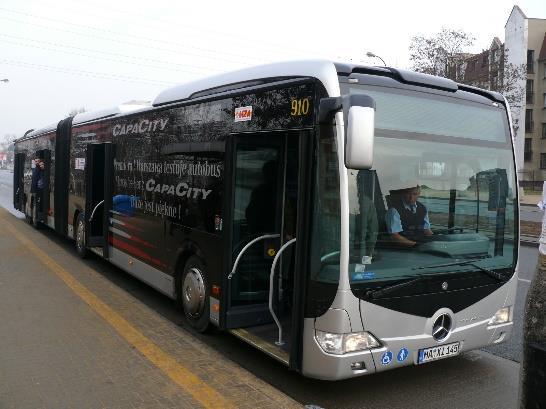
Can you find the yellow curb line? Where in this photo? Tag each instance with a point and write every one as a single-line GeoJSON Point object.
{"type": "Point", "coordinates": [191, 383]}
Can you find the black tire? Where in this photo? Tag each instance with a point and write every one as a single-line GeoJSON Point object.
{"type": "Point", "coordinates": [79, 236]}
{"type": "Point", "coordinates": [194, 294]}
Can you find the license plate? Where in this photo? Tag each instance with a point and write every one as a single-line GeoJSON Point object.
{"type": "Point", "coordinates": [439, 352]}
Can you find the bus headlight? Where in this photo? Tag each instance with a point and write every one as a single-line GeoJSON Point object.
{"type": "Point", "coordinates": [501, 316]}
{"type": "Point", "coordinates": [340, 344]}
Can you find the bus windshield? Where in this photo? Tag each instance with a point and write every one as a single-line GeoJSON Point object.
{"type": "Point", "coordinates": [442, 189]}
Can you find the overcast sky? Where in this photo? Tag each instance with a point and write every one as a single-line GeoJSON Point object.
{"type": "Point", "coordinates": [60, 55]}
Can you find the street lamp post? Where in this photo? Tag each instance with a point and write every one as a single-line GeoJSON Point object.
{"type": "Point", "coordinates": [370, 54]}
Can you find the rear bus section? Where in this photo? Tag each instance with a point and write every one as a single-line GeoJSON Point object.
{"type": "Point", "coordinates": [35, 201]}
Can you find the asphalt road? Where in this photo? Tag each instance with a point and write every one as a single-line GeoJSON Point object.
{"type": "Point", "coordinates": [531, 214]}
{"type": "Point", "coordinates": [6, 192]}
{"type": "Point", "coordinates": [473, 380]}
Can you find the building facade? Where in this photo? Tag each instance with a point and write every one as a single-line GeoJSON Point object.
{"type": "Point", "coordinates": [483, 70]}
{"type": "Point", "coordinates": [525, 41]}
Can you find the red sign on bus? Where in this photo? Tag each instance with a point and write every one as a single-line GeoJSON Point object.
{"type": "Point", "coordinates": [243, 114]}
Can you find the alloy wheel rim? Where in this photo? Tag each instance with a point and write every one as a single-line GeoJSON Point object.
{"type": "Point", "coordinates": [193, 293]}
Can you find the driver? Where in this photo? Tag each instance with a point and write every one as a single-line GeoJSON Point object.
{"type": "Point", "coordinates": [407, 218]}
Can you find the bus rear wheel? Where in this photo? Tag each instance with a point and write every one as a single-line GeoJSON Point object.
{"type": "Point", "coordinates": [194, 294]}
{"type": "Point", "coordinates": [80, 236]}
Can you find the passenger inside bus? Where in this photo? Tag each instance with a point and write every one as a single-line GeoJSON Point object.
{"type": "Point", "coordinates": [37, 182]}
{"type": "Point", "coordinates": [407, 219]}
{"type": "Point", "coordinates": [261, 210]}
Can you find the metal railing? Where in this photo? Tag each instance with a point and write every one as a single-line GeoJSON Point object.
{"type": "Point", "coordinates": [530, 180]}
{"type": "Point", "coordinates": [271, 282]}
{"type": "Point", "coordinates": [245, 248]}
{"type": "Point", "coordinates": [94, 210]}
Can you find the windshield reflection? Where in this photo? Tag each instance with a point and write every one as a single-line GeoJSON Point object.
{"type": "Point", "coordinates": [416, 210]}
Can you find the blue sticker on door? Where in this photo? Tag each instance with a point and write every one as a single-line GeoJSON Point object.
{"type": "Point", "coordinates": [402, 355]}
{"type": "Point", "coordinates": [386, 358]}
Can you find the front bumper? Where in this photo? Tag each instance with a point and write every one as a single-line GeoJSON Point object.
{"type": "Point", "coordinates": [321, 365]}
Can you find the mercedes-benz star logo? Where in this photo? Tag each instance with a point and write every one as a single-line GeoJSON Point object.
{"type": "Point", "coordinates": [441, 327]}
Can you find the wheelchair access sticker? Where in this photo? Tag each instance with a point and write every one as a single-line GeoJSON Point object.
{"type": "Point", "coordinates": [386, 358]}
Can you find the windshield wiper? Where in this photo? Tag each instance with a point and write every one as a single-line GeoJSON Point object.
{"type": "Point", "coordinates": [454, 263]}
{"type": "Point", "coordinates": [379, 292]}
{"type": "Point", "coordinates": [491, 273]}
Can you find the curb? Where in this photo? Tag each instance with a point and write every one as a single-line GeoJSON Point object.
{"type": "Point", "coordinates": [528, 240]}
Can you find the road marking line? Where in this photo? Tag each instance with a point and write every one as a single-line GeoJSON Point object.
{"type": "Point", "coordinates": [191, 383]}
{"type": "Point", "coordinates": [524, 280]}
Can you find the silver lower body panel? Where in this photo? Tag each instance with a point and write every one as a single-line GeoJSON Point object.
{"type": "Point", "coordinates": [162, 282]}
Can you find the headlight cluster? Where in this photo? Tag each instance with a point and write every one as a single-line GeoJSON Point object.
{"type": "Point", "coordinates": [502, 316]}
{"type": "Point", "coordinates": [340, 344]}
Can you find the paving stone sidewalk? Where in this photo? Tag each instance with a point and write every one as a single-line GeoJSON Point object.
{"type": "Point", "coordinates": [56, 352]}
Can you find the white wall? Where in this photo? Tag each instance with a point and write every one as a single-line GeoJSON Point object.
{"type": "Point", "coordinates": [515, 33]}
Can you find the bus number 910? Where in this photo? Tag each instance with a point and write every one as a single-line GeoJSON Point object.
{"type": "Point", "coordinates": [300, 107]}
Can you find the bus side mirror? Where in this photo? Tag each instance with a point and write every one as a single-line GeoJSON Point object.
{"type": "Point", "coordinates": [360, 125]}
{"type": "Point", "coordinates": [359, 116]}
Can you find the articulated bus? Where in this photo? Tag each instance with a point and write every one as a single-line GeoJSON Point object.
{"type": "Point", "coordinates": [273, 202]}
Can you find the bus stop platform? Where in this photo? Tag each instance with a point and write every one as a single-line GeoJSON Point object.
{"type": "Point", "coordinates": [69, 338]}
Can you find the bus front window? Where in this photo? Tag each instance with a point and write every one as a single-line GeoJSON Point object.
{"type": "Point", "coordinates": [441, 196]}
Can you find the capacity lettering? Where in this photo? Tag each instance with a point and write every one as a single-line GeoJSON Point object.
{"type": "Point", "coordinates": [181, 190]}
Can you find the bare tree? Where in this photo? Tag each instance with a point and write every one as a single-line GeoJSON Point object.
{"type": "Point", "coordinates": [512, 86]}
{"type": "Point", "coordinates": [75, 111]}
{"type": "Point", "coordinates": [440, 53]}
{"type": "Point", "coordinates": [8, 139]}
{"type": "Point", "coordinates": [444, 54]}
{"type": "Point", "coordinates": [6, 147]}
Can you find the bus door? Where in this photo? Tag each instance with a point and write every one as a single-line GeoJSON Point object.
{"type": "Point", "coordinates": [42, 200]}
{"type": "Point", "coordinates": [62, 176]}
{"type": "Point", "coordinates": [264, 206]}
{"type": "Point", "coordinates": [19, 182]}
{"type": "Point", "coordinates": [98, 195]}
{"type": "Point", "coordinates": [46, 194]}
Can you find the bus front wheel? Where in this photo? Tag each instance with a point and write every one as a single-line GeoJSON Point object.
{"type": "Point", "coordinates": [80, 236]}
{"type": "Point", "coordinates": [194, 294]}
